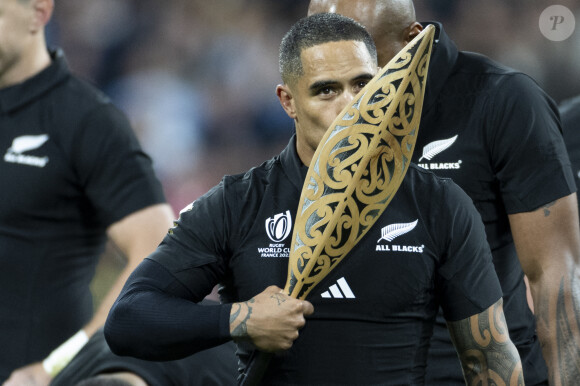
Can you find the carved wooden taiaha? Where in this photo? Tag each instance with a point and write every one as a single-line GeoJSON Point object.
{"type": "Point", "coordinates": [358, 167]}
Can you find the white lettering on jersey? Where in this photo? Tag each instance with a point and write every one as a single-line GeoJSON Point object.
{"type": "Point", "coordinates": [391, 232]}
{"type": "Point", "coordinates": [434, 148]}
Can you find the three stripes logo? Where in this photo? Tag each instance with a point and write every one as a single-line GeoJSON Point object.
{"type": "Point", "coordinates": [340, 290]}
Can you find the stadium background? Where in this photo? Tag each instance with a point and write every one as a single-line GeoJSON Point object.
{"type": "Point", "coordinates": [197, 77]}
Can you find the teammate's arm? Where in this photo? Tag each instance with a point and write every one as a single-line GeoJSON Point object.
{"type": "Point", "coordinates": [485, 350]}
{"type": "Point", "coordinates": [548, 244]}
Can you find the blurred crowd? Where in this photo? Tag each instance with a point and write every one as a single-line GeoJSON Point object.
{"type": "Point", "coordinates": [197, 77]}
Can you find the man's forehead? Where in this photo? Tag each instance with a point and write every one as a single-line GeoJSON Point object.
{"type": "Point", "coordinates": [337, 53]}
{"type": "Point", "coordinates": [336, 63]}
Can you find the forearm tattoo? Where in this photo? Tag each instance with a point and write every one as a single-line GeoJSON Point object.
{"type": "Point", "coordinates": [560, 333]}
{"type": "Point", "coordinates": [239, 317]}
{"type": "Point", "coordinates": [487, 355]}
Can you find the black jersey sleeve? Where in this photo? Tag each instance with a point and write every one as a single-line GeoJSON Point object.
{"type": "Point", "coordinates": [115, 173]}
{"type": "Point", "coordinates": [527, 148]}
{"type": "Point", "coordinates": [570, 115]}
{"type": "Point", "coordinates": [466, 282]}
{"type": "Point", "coordinates": [156, 318]}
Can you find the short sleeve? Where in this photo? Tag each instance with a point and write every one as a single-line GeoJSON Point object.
{"type": "Point", "coordinates": [528, 151]}
{"type": "Point", "coordinates": [570, 114]}
{"type": "Point", "coordinates": [466, 281]}
{"type": "Point", "coordinates": [115, 173]}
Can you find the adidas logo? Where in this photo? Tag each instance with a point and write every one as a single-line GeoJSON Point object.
{"type": "Point", "coordinates": [340, 290]}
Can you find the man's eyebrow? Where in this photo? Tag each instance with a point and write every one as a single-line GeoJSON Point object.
{"type": "Point", "coordinates": [365, 76]}
{"type": "Point", "coordinates": [321, 84]}
{"type": "Point", "coordinates": [329, 82]}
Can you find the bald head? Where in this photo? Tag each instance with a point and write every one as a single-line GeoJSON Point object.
{"type": "Point", "coordinates": [391, 23]}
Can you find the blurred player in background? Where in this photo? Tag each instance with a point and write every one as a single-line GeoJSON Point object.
{"type": "Point", "coordinates": [72, 174]}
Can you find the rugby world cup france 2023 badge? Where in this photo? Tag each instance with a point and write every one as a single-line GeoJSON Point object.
{"type": "Point", "coordinates": [278, 228]}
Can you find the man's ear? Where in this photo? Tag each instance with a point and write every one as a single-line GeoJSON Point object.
{"type": "Point", "coordinates": [42, 14]}
{"type": "Point", "coordinates": [412, 31]}
{"type": "Point", "coordinates": [286, 99]}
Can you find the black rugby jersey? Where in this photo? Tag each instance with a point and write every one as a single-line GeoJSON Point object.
{"type": "Point", "coordinates": [570, 115]}
{"type": "Point", "coordinates": [373, 314]}
{"type": "Point", "coordinates": [70, 167]}
{"type": "Point", "coordinates": [497, 135]}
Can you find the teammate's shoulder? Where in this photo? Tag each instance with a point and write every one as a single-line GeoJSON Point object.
{"type": "Point", "coordinates": [83, 91]}
{"type": "Point", "coordinates": [474, 62]}
{"type": "Point", "coordinates": [487, 75]}
{"type": "Point", "coordinates": [485, 69]}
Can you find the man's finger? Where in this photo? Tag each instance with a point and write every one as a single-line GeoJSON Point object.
{"type": "Point", "coordinates": [307, 308]}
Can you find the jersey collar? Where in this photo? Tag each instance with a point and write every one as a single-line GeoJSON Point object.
{"type": "Point", "coordinates": [13, 97]}
{"type": "Point", "coordinates": [441, 66]}
{"type": "Point", "coordinates": [292, 165]}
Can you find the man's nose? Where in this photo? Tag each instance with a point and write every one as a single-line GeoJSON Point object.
{"type": "Point", "coordinates": [346, 98]}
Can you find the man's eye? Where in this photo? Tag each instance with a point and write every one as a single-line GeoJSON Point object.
{"type": "Point", "coordinates": [325, 90]}
{"type": "Point", "coordinates": [360, 85]}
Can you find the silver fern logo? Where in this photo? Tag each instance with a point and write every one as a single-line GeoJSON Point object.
{"type": "Point", "coordinates": [393, 231]}
{"type": "Point", "coordinates": [434, 148]}
{"type": "Point", "coordinates": [25, 143]}
{"type": "Point", "coordinates": [278, 227]}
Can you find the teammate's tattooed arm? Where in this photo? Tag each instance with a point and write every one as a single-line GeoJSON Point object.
{"type": "Point", "coordinates": [487, 355]}
{"type": "Point", "coordinates": [548, 244]}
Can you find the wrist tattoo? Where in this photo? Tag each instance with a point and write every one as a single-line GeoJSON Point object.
{"type": "Point", "coordinates": [239, 317]}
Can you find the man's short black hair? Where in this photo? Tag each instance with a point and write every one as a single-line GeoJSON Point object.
{"type": "Point", "coordinates": [318, 29]}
